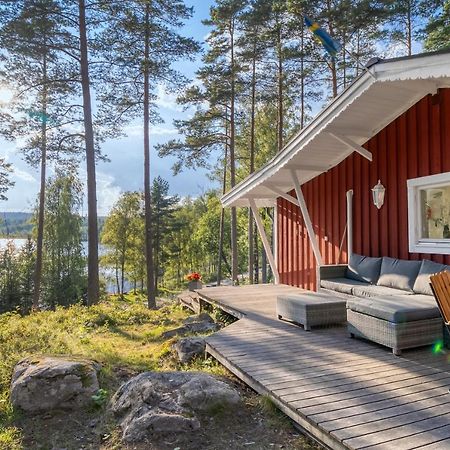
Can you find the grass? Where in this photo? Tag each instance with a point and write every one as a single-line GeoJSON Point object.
{"type": "Point", "coordinates": [117, 333]}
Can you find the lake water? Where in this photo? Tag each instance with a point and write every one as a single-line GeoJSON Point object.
{"type": "Point", "coordinates": [107, 274]}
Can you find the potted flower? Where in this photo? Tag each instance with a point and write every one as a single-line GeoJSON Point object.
{"type": "Point", "coordinates": [195, 281]}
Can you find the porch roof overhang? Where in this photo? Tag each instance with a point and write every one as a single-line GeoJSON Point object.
{"type": "Point", "coordinates": [382, 93]}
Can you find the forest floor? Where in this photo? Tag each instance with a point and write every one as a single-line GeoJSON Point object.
{"type": "Point", "coordinates": [126, 338]}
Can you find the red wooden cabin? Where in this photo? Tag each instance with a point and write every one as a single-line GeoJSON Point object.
{"type": "Point", "coordinates": [391, 124]}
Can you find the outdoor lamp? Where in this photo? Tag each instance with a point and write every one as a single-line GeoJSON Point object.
{"type": "Point", "coordinates": [378, 192]}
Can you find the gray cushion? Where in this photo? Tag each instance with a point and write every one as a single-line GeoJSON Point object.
{"type": "Point", "coordinates": [398, 273]}
{"type": "Point", "coordinates": [377, 291]}
{"type": "Point", "coordinates": [363, 268]}
{"type": "Point", "coordinates": [343, 285]}
{"type": "Point", "coordinates": [397, 309]}
{"type": "Point", "coordinates": [427, 268]}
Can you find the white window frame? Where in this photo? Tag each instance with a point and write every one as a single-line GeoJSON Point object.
{"type": "Point", "coordinates": [417, 244]}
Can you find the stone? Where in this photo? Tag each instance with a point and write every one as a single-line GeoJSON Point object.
{"type": "Point", "coordinates": [201, 323]}
{"type": "Point", "coordinates": [207, 394]}
{"type": "Point", "coordinates": [188, 348]}
{"type": "Point", "coordinates": [42, 384]}
{"type": "Point", "coordinates": [163, 403]}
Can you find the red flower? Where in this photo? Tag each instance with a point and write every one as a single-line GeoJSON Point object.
{"type": "Point", "coordinates": [194, 276]}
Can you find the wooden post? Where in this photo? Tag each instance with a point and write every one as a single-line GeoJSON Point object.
{"type": "Point", "coordinates": [306, 218]}
{"type": "Point", "coordinates": [264, 240]}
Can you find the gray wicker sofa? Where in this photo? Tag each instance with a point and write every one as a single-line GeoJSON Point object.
{"type": "Point", "coordinates": [389, 301]}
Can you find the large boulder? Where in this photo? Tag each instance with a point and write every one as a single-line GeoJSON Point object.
{"type": "Point", "coordinates": [190, 347]}
{"type": "Point", "coordinates": [161, 403]}
{"type": "Point", "coordinates": [199, 323]}
{"type": "Point", "coordinates": [46, 383]}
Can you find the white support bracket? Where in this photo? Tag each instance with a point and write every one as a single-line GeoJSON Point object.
{"type": "Point", "coordinates": [353, 145]}
{"type": "Point", "coordinates": [306, 218]}
{"type": "Point", "coordinates": [282, 194]}
{"type": "Point", "coordinates": [265, 241]}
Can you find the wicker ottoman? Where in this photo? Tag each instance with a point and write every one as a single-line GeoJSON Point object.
{"type": "Point", "coordinates": [312, 309]}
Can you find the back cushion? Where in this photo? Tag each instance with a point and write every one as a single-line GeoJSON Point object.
{"type": "Point", "coordinates": [427, 268]}
{"type": "Point", "coordinates": [398, 273]}
{"type": "Point", "coordinates": [363, 268]}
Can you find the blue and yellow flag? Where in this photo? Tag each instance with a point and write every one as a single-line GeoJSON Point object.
{"type": "Point", "coordinates": [329, 44]}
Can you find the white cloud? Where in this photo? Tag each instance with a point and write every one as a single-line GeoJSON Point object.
{"type": "Point", "coordinates": [167, 100]}
{"type": "Point", "coordinates": [107, 192]}
{"type": "Point", "coordinates": [23, 175]}
{"type": "Point", "coordinates": [138, 130]}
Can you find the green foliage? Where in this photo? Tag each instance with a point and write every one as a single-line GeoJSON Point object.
{"type": "Point", "coordinates": [64, 280]}
{"type": "Point", "coordinates": [438, 30]}
{"type": "Point", "coordinates": [16, 277]}
{"type": "Point", "coordinates": [123, 235]}
{"type": "Point", "coordinates": [100, 398]}
{"type": "Point", "coordinates": [5, 178]}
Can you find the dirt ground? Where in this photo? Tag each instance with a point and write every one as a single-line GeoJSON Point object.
{"type": "Point", "coordinates": [257, 425]}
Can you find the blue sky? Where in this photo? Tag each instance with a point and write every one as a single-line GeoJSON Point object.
{"type": "Point", "coordinates": [124, 171]}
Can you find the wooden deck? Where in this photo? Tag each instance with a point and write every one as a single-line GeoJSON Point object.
{"type": "Point", "coordinates": [346, 393]}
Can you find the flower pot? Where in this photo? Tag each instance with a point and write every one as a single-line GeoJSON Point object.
{"type": "Point", "coordinates": [193, 285]}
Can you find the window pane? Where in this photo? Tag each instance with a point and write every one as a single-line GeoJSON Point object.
{"type": "Point", "coordinates": [435, 212]}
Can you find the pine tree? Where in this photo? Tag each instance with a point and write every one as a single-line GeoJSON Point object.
{"type": "Point", "coordinates": [34, 42]}
{"type": "Point", "coordinates": [162, 217]}
{"type": "Point", "coordinates": [141, 44]}
{"type": "Point", "coordinates": [438, 30]}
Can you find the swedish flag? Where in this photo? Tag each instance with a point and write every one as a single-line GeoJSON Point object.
{"type": "Point", "coordinates": [329, 44]}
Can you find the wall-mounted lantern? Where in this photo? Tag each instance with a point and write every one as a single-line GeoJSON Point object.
{"type": "Point", "coordinates": [378, 192]}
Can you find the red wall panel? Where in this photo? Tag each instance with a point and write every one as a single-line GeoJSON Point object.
{"type": "Point", "coordinates": [415, 144]}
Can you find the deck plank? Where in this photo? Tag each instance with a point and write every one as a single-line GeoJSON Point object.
{"type": "Point", "coordinates": [347, 393]}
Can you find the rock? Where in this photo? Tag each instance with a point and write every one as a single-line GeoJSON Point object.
{"type": "Point", "coordinates": [207, 394]}
{"type": "Point", "coordinates": [43, 384]}
{"type": "Point", "coordinates": [201, 323]}
{"type": "Point", "coordinates": [188, 348]}
{"type": "Point", "coordinates": [161, 403]}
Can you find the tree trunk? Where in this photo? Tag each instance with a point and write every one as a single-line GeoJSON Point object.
{"type": "Point", "coordinates": [122, 275]}
{"type": "Point", "coordinates": [255, 234]}
{"type": "Point", "coordinates": [151, 295]}
{"type": "Point", "coordinates": [263, 266]}
{"type": "Point", "coordinates": [41, 208]}
{"type": "Point", "coordinates": [234, 249]}
{"type": "Point", "coordinates": [280, 122]}
{"type": "Point", "coordinates": [222, 212]}
{"type": "Point", "coordinates": [332, 64]}
{"type": "Point", "coordinates": [251, 250]}
{"type": "Point", "coordinates": [93, 289]}
{"type": "Point", "coordinates": [302, 79]}
{"type": "Point", "coordinates": [409, 29]}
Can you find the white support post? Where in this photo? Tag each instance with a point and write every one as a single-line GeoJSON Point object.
{"type": "Point", "coordinates": [265, 241]}
{"type": "Point", "coordinates": [306, 218]}
{"type": "Point", "coordinates": [349, 222]}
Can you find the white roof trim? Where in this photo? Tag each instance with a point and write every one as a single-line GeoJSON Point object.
{"type": "Point", "coordinates": [404, 81]}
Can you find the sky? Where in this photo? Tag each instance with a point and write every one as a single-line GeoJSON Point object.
{"type": "Point", "coordinates": [124, 171]}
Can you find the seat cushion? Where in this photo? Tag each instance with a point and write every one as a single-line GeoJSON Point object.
{"type": "Point", "coordinates": [397, 309]}
{"type": "Point", "coordinates": [398, 273]}
{"type": "Point", "coordinates": [427, 268]}
{"type": "Point", "coordinates": [342, 285]}
{"type": "Point", "coordinates": [363, 268]}
{"type": "Point", "coordinates": [377, 291]}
